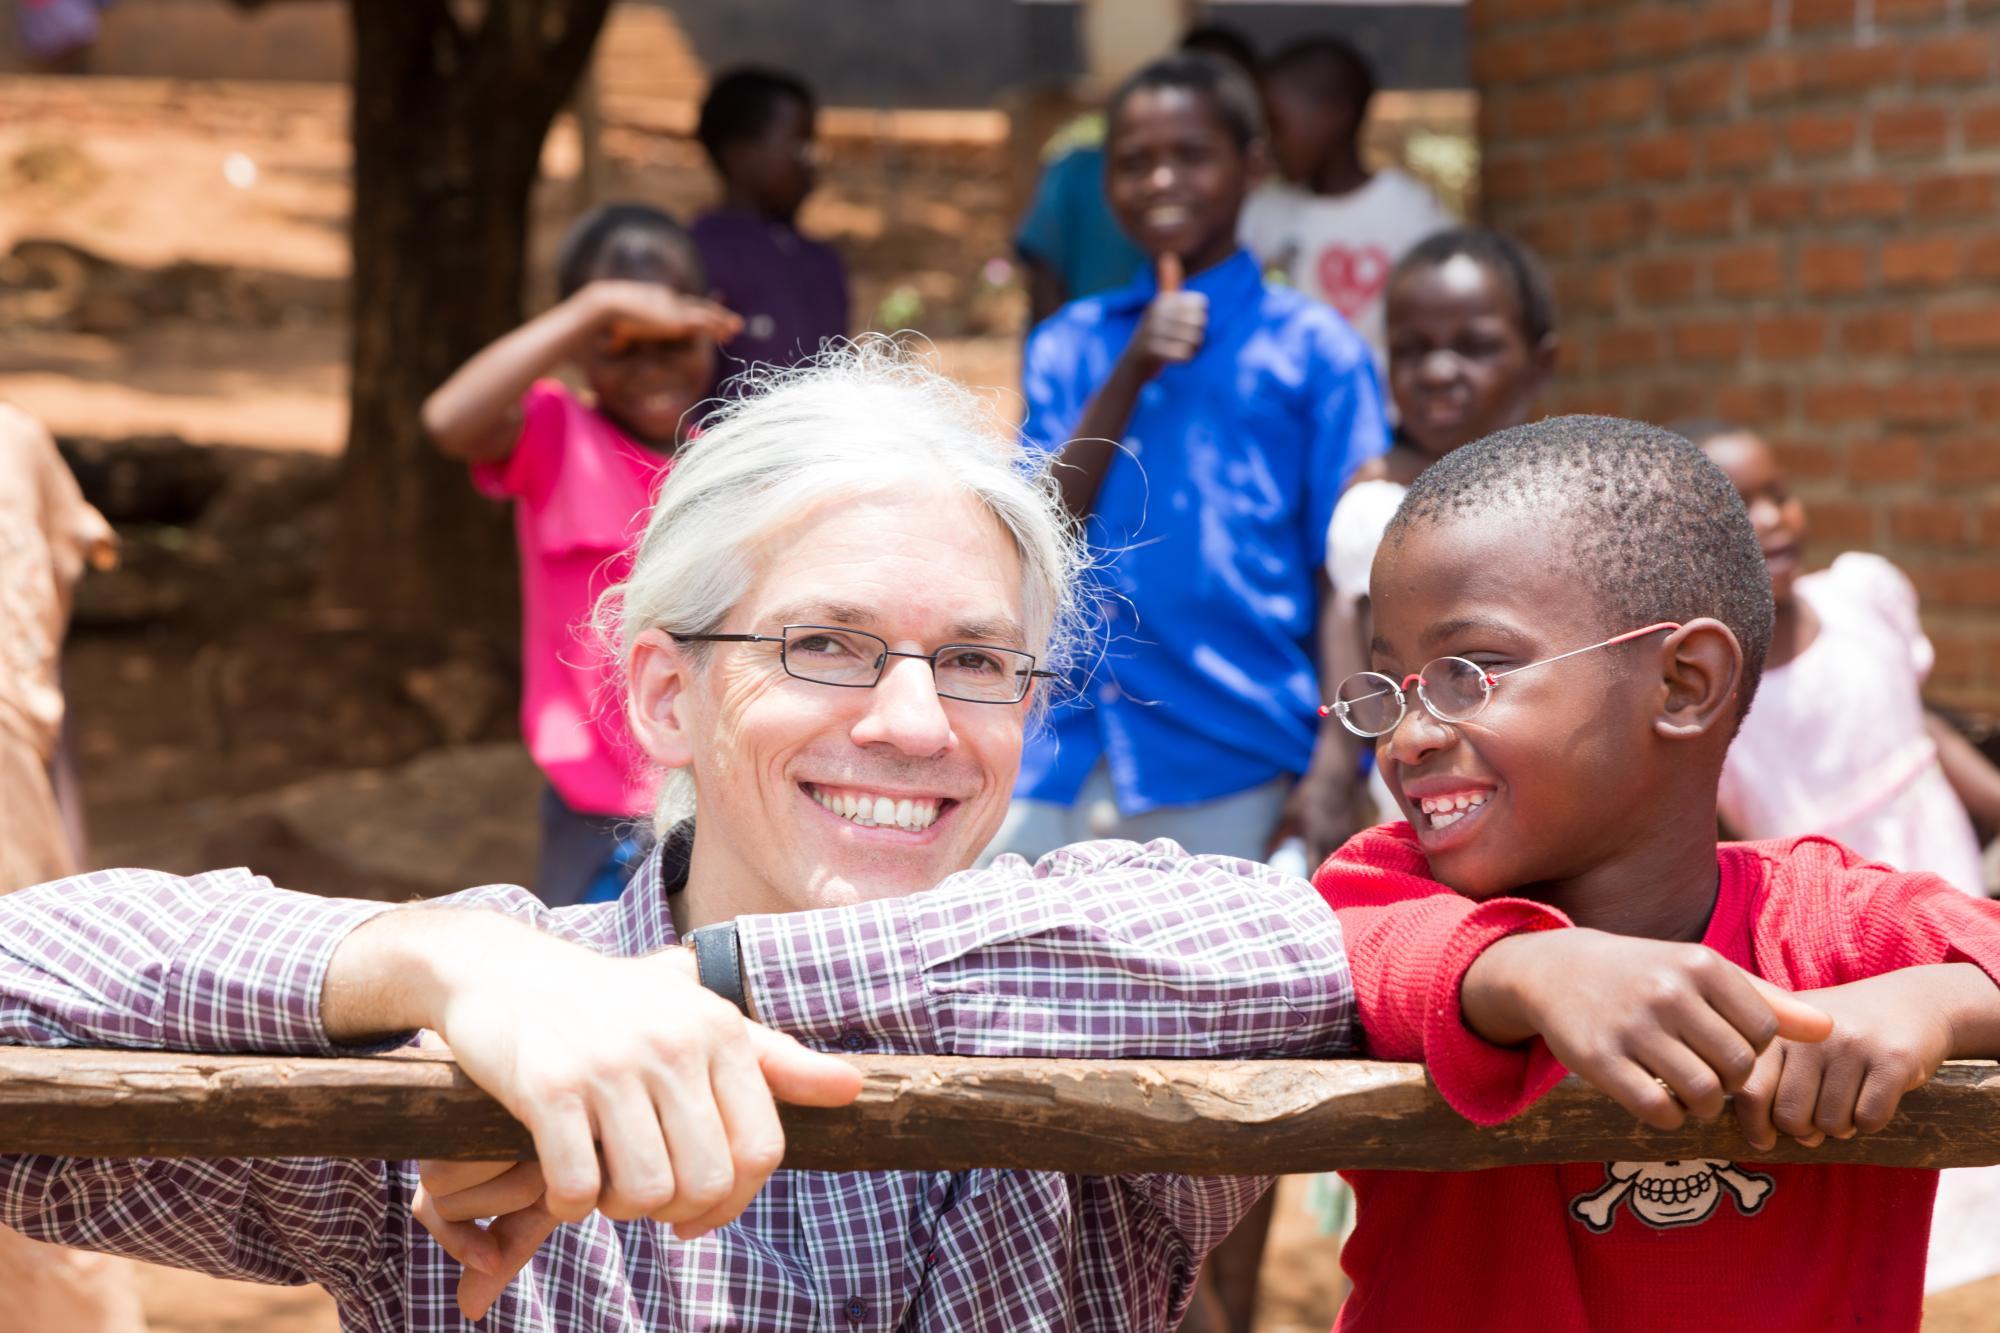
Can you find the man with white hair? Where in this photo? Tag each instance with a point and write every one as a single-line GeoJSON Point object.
{"type": "Point", "coordinates": [835, 630]}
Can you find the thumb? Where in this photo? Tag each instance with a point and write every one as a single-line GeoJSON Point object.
{"type": "Point", "coordinates": [801, 1076]}
{"type": "Point", "coordinates": [1797, 1020]}
{"type": "Point", "coordinates": [1170, 272]}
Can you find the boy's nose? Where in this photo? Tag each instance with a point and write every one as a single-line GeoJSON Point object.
{"type": "Point", "coordinates": [1417, 736]}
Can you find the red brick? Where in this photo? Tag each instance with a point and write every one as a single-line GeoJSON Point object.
{"type": "Point", "coordinates": [1863, 197]}
{"type": "Point", "coordinates": [1906, 131]}
{"type": "Point", "coordinates": [1660, 280]}
{"type": "Point", "coordinates": [1587, 289]}
{"type": "Point", "coordinates": [1550, 234]}
{"type": "Point", "coordinates": [1932, 402]}
{"type": "Point", "coordinates": [1965, 57]}
{"type": "Point", "coordinates": [1708, 340]}
{"type": "Point", "coordinates": [1779, 205]}
{"type": "Point", "coordinates": [1981, 124]}
{"type": "Point", "coordinates": [1965, 461]}
{"type": "Point", "coordinates": [1790, 337]}
{"type": "Point", "coordinates": [1498, 62]}
{"type": "Point", "coordinates": [1533, 114]}
{"type": "Point", "coordinates": [1748, 270]}
{"type": "Point", "coordinates": [1986, 400]}
{"type": "Point", "coordinates": [1853, 69]}
{"type": "Point", "coordinates": [1821, 13]}
{"type": "Point", "coordinates": [1840, 402]}
{"type": "Point", "coordinates": [1705, 212]}
{"type": "Point", "coordinates": [1843, 523]}
{"type": "Point", "coordinates": [1828, 268]}
{"type": "Point", "coordinates": [1624, 348]}
{"type": "Point", "coordinates": [1619, 99]}
{"type": "Point", "coordinates": [1982, 258]}
{"type": "Point", "coordinates": [1810, 459]}
{"type": "Point", "coordinates": [1901, 11]}
{"type": "Point", "coordinates": [1577, 168]}
{"type": "Point", "coordinates": [1882, 333]}
{"type": "Point", "coordinates": [1753, 401]}
{"type": "Point", "coordinates": [1655, 30]}
{"type": "Point", "coordinates": [1515, 11]}
{"type": "Point", "coordinates": [1734, 21]}
{"type": "Point", "coordinates": [1602, 400]}
{"type": "Point", "coordinates": [1892, 458]}
{"type": "Point", "coordinates": [1955, 654]}
{"type": "Point", "coordinates": [1821, 133]}
{"type": "Point", "coordinates": [1772, 76]}
{"type": "Point", "coordinates": [1617, 222]}
{"type": "Point", "coordinates": [1929, 523]}
{"type": "Point", "coordinates": [1961, 195]}
{"type": "Point", "coordinates": [1967, 586]}
{"type": "Point", "coordinates": [1510, 177]}
{"type": "Point", "coordinates": [1705, 88]}
{"type": "Point", "coordinates": [1575, 48]}
{"type": "Point", "coordinates": [1747, 146]}
{"type": "Point", "coordinates": [1929, 261]}
{"type": "Point", "coordinates": [1660, 157]}
{"type": "Point", "coordinates": [1965, 328]}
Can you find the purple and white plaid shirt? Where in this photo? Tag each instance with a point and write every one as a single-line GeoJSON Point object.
{"type": "Point", "coordinates": [1106, 949]}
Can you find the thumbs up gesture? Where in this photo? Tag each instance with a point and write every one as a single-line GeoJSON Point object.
{"type": "Point", "coordinates": [1174, 324]}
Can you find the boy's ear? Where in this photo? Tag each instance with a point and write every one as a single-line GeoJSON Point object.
{"type": "Point", "coordinates": [1701, 665]}
{"type": "Point", "coordinates": [1543, 357]}
{"type": "Point", "coordinates": [1256, 163]}
{"type": "Point", "coordinates": [660, 672]}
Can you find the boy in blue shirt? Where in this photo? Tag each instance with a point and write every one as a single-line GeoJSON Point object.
{"type": "Point", "coordinates": [1207, 423]}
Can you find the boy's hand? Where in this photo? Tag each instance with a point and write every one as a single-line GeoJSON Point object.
{"type": "Point", "coordinates": [1665, 1029]}
{"type": "Point", "coordinates": [626, 312]}
{"type": "Point", "coordinates": [1174, 324]}
{"type": "Point", "coordinates": [1890, 1035]}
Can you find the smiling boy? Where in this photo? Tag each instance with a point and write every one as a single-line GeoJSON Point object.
{"type": "Point", "coordinates": [1571, 618]}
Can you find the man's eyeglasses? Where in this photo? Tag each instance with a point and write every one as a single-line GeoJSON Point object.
{"type": "Point", "coordinates": [1451, 689]}
{"type": "Point", "coordinates": [853, 659]}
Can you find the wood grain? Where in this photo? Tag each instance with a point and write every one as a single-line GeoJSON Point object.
{"type": "Point", "coordinates": [932, 1113]}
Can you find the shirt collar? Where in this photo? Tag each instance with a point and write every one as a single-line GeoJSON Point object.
{"type": "Point", "coordinates": [1234, 280]}
{"type": "Point", "coordinates": [645, 923]}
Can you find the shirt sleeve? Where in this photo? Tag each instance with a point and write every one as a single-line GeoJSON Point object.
{"type": "Point", "coordinates": [1410, 943]}
{"type": "Point", "coordinates": [1848, 918]}
{"type": "Point", "coordinates": [530, 468]}
{"type": "Point", "coordinates": [1050, 376]}
{"type": "Point", "coordinates": [1889, 594]}
{"type": "Point", "coordinates": [1104, 950]}
{"type": "Point", "coordinates": [1348, 426]}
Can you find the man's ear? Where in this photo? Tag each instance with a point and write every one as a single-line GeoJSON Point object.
{"type": "Point", "coordinates": [660, 673]}
{"type": "Point", "coordinates": [1701, 665]}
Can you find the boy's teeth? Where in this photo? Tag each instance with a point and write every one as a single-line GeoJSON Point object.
{"type": "Point", "coordinates": [1444, 811]}
{"type": "Point", "coordinates": [912, 815]}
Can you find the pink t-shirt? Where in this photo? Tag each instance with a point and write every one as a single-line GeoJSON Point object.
{"type": "Point", "coordinates": [581, 490]}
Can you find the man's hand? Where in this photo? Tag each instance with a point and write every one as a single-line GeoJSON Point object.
{"type": "Point", "coordinates": [1173, 326]}
{"type": "Point", "coordinates": [1665, 1029]}
{"type": "Point", "coordinates": [1890, 1035]}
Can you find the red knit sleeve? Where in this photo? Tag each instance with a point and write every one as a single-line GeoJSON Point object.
{"type": "Point", "coordinates": [1410, 941]}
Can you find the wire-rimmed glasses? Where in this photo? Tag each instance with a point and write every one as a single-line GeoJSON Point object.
{"type": "Point", "coordinates": [1451, 689]}
{"type": "Point", "coordinates": [852, 659]}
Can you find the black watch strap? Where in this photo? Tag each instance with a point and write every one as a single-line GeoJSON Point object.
{"type": "Point", "coordinates": [718, 960]}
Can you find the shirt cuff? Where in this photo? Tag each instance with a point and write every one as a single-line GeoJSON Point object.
{"type": "Point", "coordinates": [848, 980]}
{"type": "Point", "coordinates": [1483, 1082]}
{"type": "Point", "coordinates": [249, 976]}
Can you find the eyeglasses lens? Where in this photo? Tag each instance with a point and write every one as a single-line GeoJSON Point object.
{"type": "Point", "coordinates": [1454, 688]}
{"type": "Point", "coordinates": [833, 657]}
{"type": "Point", "coordinates": [1368, 703]}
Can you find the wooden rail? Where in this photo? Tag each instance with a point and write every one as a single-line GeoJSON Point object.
{"type": "Point", "coordinates": [1084, 1116]}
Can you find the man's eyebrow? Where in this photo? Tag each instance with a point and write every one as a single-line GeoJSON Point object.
{"type": "Point", "coordinates": [990, 629]}
{"type": "Point", "coordinates": [999, 629]}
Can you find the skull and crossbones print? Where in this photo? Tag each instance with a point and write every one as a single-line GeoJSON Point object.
{"type": "Point", "coordinates": [1670, 1194]}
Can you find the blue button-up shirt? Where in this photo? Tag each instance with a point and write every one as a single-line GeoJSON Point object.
{"type": "Point", "coordinates": [1209, 531]}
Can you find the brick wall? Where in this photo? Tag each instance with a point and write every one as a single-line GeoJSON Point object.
{"type": "Point", "coordinates": [1785, 212]}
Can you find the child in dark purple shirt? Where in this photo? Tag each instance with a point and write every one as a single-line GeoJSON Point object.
{"type": "Point", "coordinates": [757, 126]}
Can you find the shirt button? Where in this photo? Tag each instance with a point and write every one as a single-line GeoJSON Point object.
{"type": "Point", "coordinates": [1109, 694]}
{"type": "Point", "coordinates": [854, 1309]}
{"type": "Point", "coordinates": [852, 1040]}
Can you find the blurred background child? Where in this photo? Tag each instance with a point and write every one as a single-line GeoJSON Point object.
{"type": "Point", "coordinates": [791, 291]}
{"type": "Point", "coordinates": [1334, 228]}
{"type": "Point", "coordinates": [1471, 326]}
{"type": "Point", "coordinates": [581, 471]}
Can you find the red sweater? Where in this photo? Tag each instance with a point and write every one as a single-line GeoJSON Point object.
{"type": "Point", "coordinates": [1621, 1245]}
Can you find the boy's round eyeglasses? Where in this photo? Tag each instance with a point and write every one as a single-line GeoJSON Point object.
{"type": "Point", "coordinates": [1451, 689]}
{"type": "Point", "coordinates": [853, 659]}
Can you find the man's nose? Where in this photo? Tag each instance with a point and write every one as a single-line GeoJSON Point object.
{"type": "Point", "coordinates": [904, 711]}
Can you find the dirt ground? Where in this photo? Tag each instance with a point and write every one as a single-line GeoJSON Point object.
{"type": "Point", "coordinates": [171, 303]}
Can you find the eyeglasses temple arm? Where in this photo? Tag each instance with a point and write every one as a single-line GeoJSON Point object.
{"type": "Point", "coordinates": [1621, 638]}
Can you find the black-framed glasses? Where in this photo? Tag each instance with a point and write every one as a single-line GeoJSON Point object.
{"type": "Point", "coordinates": [853, 659]}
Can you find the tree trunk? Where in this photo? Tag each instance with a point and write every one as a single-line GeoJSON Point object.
{"type": "Point", "coordinates": [451, 104]}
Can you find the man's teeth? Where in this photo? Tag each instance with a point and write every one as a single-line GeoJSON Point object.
{"type": "Point", "coordinates": [1444, 811]}
{"type": "Point", "coordinates": [859, 807]}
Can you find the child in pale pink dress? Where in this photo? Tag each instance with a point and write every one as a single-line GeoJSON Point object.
{"type": "Point", "coordinates": [582, 470]}
{"type": "Point", "coordinates": [1839, 743]}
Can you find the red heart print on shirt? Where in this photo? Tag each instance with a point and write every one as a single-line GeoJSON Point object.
{"type": "Point", "coordinates": [1352, 278]}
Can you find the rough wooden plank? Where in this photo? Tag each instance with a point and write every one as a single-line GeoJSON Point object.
{"type": "Point", "coordinates": [1086, 1116]}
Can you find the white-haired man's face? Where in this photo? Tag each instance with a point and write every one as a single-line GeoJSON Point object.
{"type": "Point", "coordinates": [791, 775]}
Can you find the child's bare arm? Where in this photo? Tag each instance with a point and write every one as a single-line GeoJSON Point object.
{"type": "Point", "coordinates": [474, 415]}
{"type": "Point", "coordinates": [1971, 774]}
{"type": "Point", "coordinates": [1890, 1034]}
{"type": "Point", "coordinates": [1666, 1029]}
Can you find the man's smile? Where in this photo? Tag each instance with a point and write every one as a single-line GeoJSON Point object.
{"type": "Point", "coordinates": [867, 808]}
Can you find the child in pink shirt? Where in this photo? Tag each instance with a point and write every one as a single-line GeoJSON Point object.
{"type": "Point", "coordinates": [582, 470]}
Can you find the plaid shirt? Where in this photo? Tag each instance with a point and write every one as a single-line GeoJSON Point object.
{"type": "Point", "coordinates": [1105, 949]}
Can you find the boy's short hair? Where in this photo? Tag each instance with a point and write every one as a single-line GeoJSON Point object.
{"type": "Point", "coordinates": [625, 240]}
{"type": "Point", "coordinates": [1227, 89]}
{"type": "Point", "coordinates": [1655, 528]}
{"type": "Point", "coordinates": [1222, 41]}
{"type": "Point", "coordinates": [741, 103]}
{"type": "Point", "coordinates": [1333, 66]}
{"type": "Point", "coordinates": [1499, 253]}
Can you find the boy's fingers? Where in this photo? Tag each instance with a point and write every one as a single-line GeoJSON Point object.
{"type": "Point", "coordinates": [1797, 1097]}
{"type": "Point", "coordinates": [1797, 1020]}
{"type": "Point", "coordinates": [1693, 1084]}
{"type": "Point", "coordinates": [1753, 1100]}
{"type": "Point", "coordinates": [1170, 272]}
{"type": "Point", "coordinates": [1881, 1093]}
{"type": "Point", "coordinates": [1839, 1090]}
{"type": "Point", "coordinates": [1720, 1045]}
{"type": "Point", "coordinates": [1634, 1088]}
